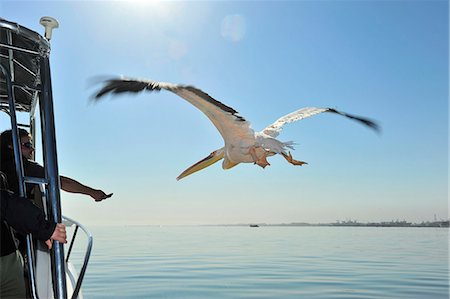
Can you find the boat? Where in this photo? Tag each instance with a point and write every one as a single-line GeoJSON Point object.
{"type": "Point", "coordinates": [25, 89]}
{"type": "Point", "coordinates": [254, 225]}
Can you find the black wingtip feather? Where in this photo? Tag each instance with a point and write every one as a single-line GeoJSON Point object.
{"type": "Point", "coordinates": [116, 86]}
{"type": "Point", "coordinates": [365, 121]}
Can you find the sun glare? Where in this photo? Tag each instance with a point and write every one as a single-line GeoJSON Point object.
{"type": "Point", "coordinates": [233, 28]}
{"type": "Point", "coordinates": [148, 4]}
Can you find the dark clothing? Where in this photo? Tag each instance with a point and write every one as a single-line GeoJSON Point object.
{"type": "Point", "coordinates": [22, 215]}
{"type": "Point", "coordinates": [8, 245]}
{"type": "Point", "coordinates": [36, 223]}
{"type": "Point", "coordinates": [12, 283]}
{"type": "Point", "coordinates": [30, 169]}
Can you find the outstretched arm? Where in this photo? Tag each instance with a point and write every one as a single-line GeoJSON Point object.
{"type": "Point", "coordinates": [73, 186]}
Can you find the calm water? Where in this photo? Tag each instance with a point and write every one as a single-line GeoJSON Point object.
{"type": "Point", "coordinates": [268, 262]}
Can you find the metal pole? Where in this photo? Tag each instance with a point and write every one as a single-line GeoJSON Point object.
{"type": "Point", "coordinates": [71, 243]}
{"type": "Point", "coordinates": [51, 168]}
{"type": "Point", "coordinates": [19, 170]}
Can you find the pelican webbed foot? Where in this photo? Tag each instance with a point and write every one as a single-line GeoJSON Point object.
{"type": "Point", "coordinates": [261, 161]}
{"type": "Point", "coordinates": [292, 160]}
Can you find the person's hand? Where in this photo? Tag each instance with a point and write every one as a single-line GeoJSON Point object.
{"type": "Point", "coordinates": [99, 195]}
{"type": "Point", "coordinates": [59, 234]}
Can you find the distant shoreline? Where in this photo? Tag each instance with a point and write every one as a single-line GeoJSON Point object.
{"type": "Point", "coordinates": [444, 224]}
{"type": "Point", "coordinates": [349, 223]}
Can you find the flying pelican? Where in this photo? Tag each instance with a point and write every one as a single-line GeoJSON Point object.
{"type": "Point", "coordinates": [242, 144]}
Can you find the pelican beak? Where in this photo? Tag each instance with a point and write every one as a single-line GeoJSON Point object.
{"type": "Point", "coordinates": [211, 159]}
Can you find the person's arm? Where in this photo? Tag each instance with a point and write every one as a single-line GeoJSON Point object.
{"type": "Point", "coordinates": [73, 186]}
{"type": "Point", "coordinates": [26, 218]}
{"type": "Point", "coordinates": [59, 234]}
{"type": "Point", "coordinates": [67, 184]}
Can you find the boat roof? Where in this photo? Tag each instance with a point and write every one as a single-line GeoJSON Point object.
{"type": "Point", "coordinates": [20, 52]}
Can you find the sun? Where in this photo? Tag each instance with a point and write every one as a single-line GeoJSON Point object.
{"type": "Point", "coordinates": [159, 8]}
{"type": "Point", "coordinates": [152, 3]}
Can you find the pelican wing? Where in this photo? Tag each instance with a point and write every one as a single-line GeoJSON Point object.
{"type": "Point", "coordinates": [227, 120]}
{"type": "Point", "coordinates": [275, 129]}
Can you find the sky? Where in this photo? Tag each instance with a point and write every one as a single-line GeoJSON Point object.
{"type": "Point", "coordinates": [386, 60]}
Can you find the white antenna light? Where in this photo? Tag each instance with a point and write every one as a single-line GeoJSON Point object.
{"type": "Point", "coordinates": [49, 23]}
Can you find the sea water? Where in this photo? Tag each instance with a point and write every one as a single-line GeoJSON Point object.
{"type": "Point", "coordinates": [267, 262]}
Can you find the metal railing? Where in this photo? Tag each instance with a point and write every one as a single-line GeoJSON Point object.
{"type": "Point", "coordinates": [69, 222]}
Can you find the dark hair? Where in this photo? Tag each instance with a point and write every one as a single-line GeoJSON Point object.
{"type": "Point", "coordinates": [6, 153]}
{"type": "Point", "coordinates": [7, 159]}
{"type": "Point", "coordinates": [8, 134]}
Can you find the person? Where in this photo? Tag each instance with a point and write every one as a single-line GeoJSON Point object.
{"type": "Point", "coordinates": [25, 217]}
{"type": "Point", "coordinates": [33, 169]}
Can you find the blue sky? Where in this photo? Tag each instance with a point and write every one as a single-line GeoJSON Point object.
{"type": "Point", "coordinates": [387, 60]}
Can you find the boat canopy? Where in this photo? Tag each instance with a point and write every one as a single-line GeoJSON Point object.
{"type": "Point", "coordinates": [20, 52]}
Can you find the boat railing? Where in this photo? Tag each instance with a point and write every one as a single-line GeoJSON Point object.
{"type": "Point", "coordinates": [69, 223]}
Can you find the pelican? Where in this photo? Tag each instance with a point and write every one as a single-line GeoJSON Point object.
{"type": "Point", "coordinates": [242, 143]}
